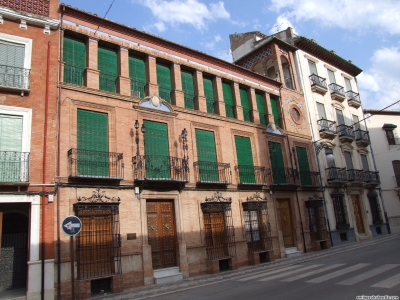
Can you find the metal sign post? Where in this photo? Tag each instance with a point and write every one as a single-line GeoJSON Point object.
{"type": "Point", "coordinates": [71, 226]}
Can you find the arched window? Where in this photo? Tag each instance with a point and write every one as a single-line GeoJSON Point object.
{"type": "Point", "coordinates": [287, 74]}
{"type": "Point", "coordinates": [259, 68]}
{"type": "Point", "coordinates": [270, 67]}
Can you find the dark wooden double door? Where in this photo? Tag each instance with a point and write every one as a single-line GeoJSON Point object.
{"type": "Point", "coordinates": [161, 232]}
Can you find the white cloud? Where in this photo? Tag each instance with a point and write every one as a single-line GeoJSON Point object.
{"type": "Point", "coordinates": [217, 38]}
{"type": "Point", "coordinates": [224, 55]}
{"type": "Point", "coordinates": [380, 85]}
{"type": "Point", "coordinates": [190, 12]}
{"type": "Point", "coordinates": [382, 15]}
{"type": "Point", "coordinates": [281, 24]}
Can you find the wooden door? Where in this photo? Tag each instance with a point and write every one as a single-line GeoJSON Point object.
{"type": "Point", "coordinates": [358, 213]}
{"type": "Point", "coordinates": [285, 220]}
{"type": "Point", "coordinates": [161, 231]}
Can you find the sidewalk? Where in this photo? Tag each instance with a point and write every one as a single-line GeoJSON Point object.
{"type": "Point", "coordinates": [154, 290]}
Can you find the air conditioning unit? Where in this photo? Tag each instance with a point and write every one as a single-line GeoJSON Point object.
{"type": "Point", "coordinates": [135, 94]}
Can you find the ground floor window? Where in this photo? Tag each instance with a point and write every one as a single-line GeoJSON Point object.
{"type": "Point", "coordinates": [340, 209]}
{"type": "Point", "coordinates": [316, 219]}
{"type": "Point", "coordinates": [375, 208]}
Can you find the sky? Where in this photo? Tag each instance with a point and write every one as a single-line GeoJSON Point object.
{"type": "Point", "coordinates": [364, 31]}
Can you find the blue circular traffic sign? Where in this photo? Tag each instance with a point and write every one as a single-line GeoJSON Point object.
{"type": "Point", "coordinates": [71, 225]}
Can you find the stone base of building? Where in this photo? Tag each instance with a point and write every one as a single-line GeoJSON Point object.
{"type": "Point", "coordinates": [343, 236]}
{"type": "Point", "coordinates": [378, 230]}
{"type": "Point", "coordinates": [394, 223]}
{"type": "Point", "coordinates": [218, 265]}
{"type": "Point", "coordinates": [260, 257]}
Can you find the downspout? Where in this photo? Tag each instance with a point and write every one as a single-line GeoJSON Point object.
{"type": "Point", "coordinates": [46, 107]}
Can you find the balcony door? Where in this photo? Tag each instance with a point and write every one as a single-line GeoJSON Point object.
{"type": "Point", "coordinates": [207, 156]}
{"type": "Point", "coordinates": [285, 219]}
{"type": "Point", "coordinates": [277, 165]}
{"type": "Point", "coordinates": [358, 213]}
{"type": "Point", "coordinates": [245, 159]}
{"type": "Point", "coordinates": [304, 167]}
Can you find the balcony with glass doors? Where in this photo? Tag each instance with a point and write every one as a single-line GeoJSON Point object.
{"type": "Point", "coordinates": [327, 129]}
{"type": "Point", "coordinates": [337, 92]}
{"type": "Point", "coordinates": [318, 84]}
{"type": "Point", "coordinates": [353, 99]}
{"type": "Point", "coordinates": [14, 168]}
{"type": "Point", "coordinates": [362, 138]}
{"type": "Point", "coordinates": [346, 133]}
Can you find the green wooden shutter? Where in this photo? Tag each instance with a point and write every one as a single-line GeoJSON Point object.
{"type": "Point", "coordinates": [10, 148]}
{"type": "Point", "coordinates": [261, 109]}
{"type": "Point", "coordinates": [277, 165]}
{"type": "Point", "coordinates": [74, 57]}
{"type": "Point", "coordinates": [245, 160]}
{"type": "Point", "coordinates": [209, 94]}
{"type": "Point", "coordinates": [108, 67]}
{"type": "Point", "coordinates": [137, 74]}
{"type": "Point", "coordinates": [304, 167]}
{"type": "Point", "coordinates": [164, 82]}
{"type": "Point", "coordinates": [92, 143]}
{"type": "Point", "coordinates": [207, 155]}
{"type": "Point", "coordinates": [244, 100]}
{"type": "Point", "coordinates": [157, 150]}
{"type": "Point", "coordinates": [188, 89]}
{"type": "Point", "coordinates": [275, 112]}
{"type": "Point", "coordinates": [228, 99]}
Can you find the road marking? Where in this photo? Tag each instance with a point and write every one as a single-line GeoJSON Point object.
{"type": "Point", "coordinates": [289, 273]}
{"type": "Point", "coordinates": [269, 273]}
{"type": "Point", "coordinates": [369, 274]}
{"type": "Point", "coordinates": [388, 283]}
{"type": "Point", "coordinates": [312, 272]}
{"type": "Point", "coordinates": [337, 273]}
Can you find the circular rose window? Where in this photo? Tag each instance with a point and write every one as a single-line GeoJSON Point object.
{"type": "Point", "coordinates": [295, 114]}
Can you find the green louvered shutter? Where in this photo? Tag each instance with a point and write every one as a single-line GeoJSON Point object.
{"type": "Point", "coordinates": [164, 82]}
{"type": "Point", "coordinates": [228, 99]}
{"type": "Point", "coordinates": [188, 89]}
{"type": "Point", "coordinates": [156, 150]}
{"type": "Point", "coordinates": [304, 167]}
{"type": "Point", "coordinates": [93, 152]}
{"type": "Point", "coordinates": [275, 112]}
{"type": "Point", "coordinates": [277, 165]}
{"type": "Point", "coordinates": [261, 109]}
{"type": "Point", "coordinates": [244, 100]}
{"type": "Point", "coordinates": [209, 94]}
{"type": "Point", "coordinates": [12, 55]}
{"type": "Point", "coordinates": [74, 57]}
{"type": "Point", "coordinates": [10, 148]}
{"type": "Point", "coordinates": [108, 67]}
{"type": "Point", "coordinates": [207, 156]}
{"type": "Point", "coordinates": [245, 160]}
{"type": "Point", "coordinates": [137, 74]}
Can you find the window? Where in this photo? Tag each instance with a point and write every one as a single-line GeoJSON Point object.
{"type": "Point", "coordinates": [330, 158]}
{"type": "Point", "coordinates": [331, 76]}
{"type": "Point", "coordinates": [321, 110]}
{"type": "Point", "coordinates": [396, 169]}
{"type": "Point", "coordinates": [375, 208]}
{"type": "Point", "coordinates": [245, 160]}
{"type": "Point", "coordinates": [207, 156]}
{"type": "Point", "coordinates": [228, 99]}
{"type": "Point", "coordinates": [304, 167]}
{"type": "Point", "coordinates": [349, 161]}
{"type": "Point", "coordinates": [74, 58]}
{"type": "Point", "coordinates": [15, 62]}
{"type": "Point", "coordinates": [340, 117]}
{"type": "Point", "coordinates": [261, 109]}
{"type": "Point", "coordinates": [356, 122]}
{"type": "Point", "coordinates": [277, 165]}
{"type": "Point", "coordinates": [347, 84]}
{"type": "Point", "coordinates": [164, 82]}
{"type": "Point", "coordinates": [209, 94]}
{"type": "Point", "coordinates": [108, 67]}
{"type": "Point", "coordinates": [313, 67]}
{"type": "Point", "coordinates": [390, 137]}
{"type": "Point", "coordinates": [244, 99]}
{"type": "Point", "coordinates": [287, 74]}
{"type": "Point", "coordinates": [275, 111]}
{"type": "Point", "coordinates": [316, 220]}
{"type": "Point", "coordinates": [137, 74]}
{"type": "Point", "coordinates": [188, 89]}
{"type": "Point", "coordinates": [364, 161]}
{"type": "Point", "coordinates": [340, 210]}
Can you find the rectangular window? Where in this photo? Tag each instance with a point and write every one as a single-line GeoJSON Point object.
{"type": "Point", "coordinates": [257, 226]}
{"type": "Point", "coordinates": [245, 160]}
{"type": "Point", "coordinates": [244, 100]}
{"type": "Point", "coordinates": [340, 211]}
{"type": "Point", "coordinates": [375, 208]}
{"type": "Point", "coordinates": [364, 161]}
{"type": "Point", "coordinates": [12, 72]}
{"type": "Point", "coordinates": [275, 111]}
{"type": "Point", "coordinates": [207, 156]}
{"type": "Point", "coordinates": [137, 74]}
{"type": "Point", "coordinates": [313, 67]}
{"type": "Point", "coordinates": [261, 109]}
{"type": "Point", "coordinates": [356, 122]}
{"type": "Point", "coordinates": [164, 82]}
{"type": "Point", "coordinates": [349, 161]}
{"type": "Point", "coordinates": [340, 117]}
{"type": "Point", "coordinates": [390, 137]}
{"type": "Point", "coordinates": [321, 111]}
{"type": "Point", "coordinates": [188, 89]}
{"type": "Point", "coordinates": [108, 67]}
{"type": "Point", "coordinates": [304, 167]}
{"type": "Point", "coordinates": [228, 99]}
{"type": "Point", "coordinates": [74, 58]}
{"type": "Point", "coordinates": [209, 94]}
{"type": "Point", "coordinates": [277, 165]}
{"type": "Point", "coordinates": [331, 76]}
{"type": "Point", "coordinates": [316, 220]}
{"type": "Point", "coordinates": [347, 84]}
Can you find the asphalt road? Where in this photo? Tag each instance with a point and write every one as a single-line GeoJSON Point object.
{"type": "Point", "coordinates": [372, 270]}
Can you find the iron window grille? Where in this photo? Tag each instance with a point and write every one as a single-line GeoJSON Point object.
{"type": "Point", "coordinates": [73, 74]}
{"type": "Point", "coordinates": [340, 209]}
{"type": "Point", "coordinates": [98, 245]}
{"type": "Point", "coordinates": [375, 208]}
{"type": "Point", "coordinates": [316, 219]}
{"type": "Point", "coordinates": [218, 227]}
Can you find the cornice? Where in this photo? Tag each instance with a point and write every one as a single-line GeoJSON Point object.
{"type": "Point", "coordinates": [31, 19]}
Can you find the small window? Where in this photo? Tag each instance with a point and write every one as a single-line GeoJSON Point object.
{"type": "Point", "coordinates": [347, 84]}
{"type": "Point", "coordinates": [331, 76]}
{"type": "Point", "coordinates": [313, 67]}
{"type": "Point", "coordinates": [349, 161]}
{"type": "Point", "coordinates": [390, 137]}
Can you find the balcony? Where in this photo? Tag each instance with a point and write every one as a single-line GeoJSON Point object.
{"type": "Point", "coordinates": [246, 114]}
{"type": "Point", "coordinates": [310, 179]}
{"type": "Point", "coordinates": [211, 106]}
{"type": "Point", "coordinates": [252, 175]}
{"type": "Point", "coordinates": [13, 78]}
{"type": "Point", "coordinates": [362, 138]}
{"type": "Point", "coordinates": [286, 176]}
{"type": "Point", "coordinates": [230, 110]}
{"type": "Point", "coordinates": [353, 99]}
{"type": "Point", "coordinates": [165, 94]}
{"type": "Point", "coordinates": [337, 92]}
{"type": "Point", "coordinates": [327, 129]}
{"type": "Point", "coordinates": [14, 167]}
{"type": "Point", "coordinates": [73, 74]}
{"type": "Point", "coordinates": [160, 168]}
{"type": "Point", "coordinates": [318, 84]}
{"type": "Point", "coordinates": [107, 82]}
{"type": "Point", "coordinates": [138, 89]}
{"type": "Point", "coordinates": [189, 100]}
{"type": "Point", "coordinates": [355, 176]}
{"type": "Point", "coordinates": [337, 175]}
{"type": "Point", "coordinates": [346, 133]}
{"type": "Point", "coordinates": [90, 164]}
{"type": "Point", "coordinates": [207, 172]}
{"type": "Point", "coordinates": [372, 179]}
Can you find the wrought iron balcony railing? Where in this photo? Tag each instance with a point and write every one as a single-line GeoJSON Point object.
{"type": "Point", "coordinates": [336, 174]}
{"type": "Point", "coordinates": [73, 74]}
{"type": "Point", "coordinates": [165, 94]}
{"type": "Point", "coordinates": [337, 89]}
{"type": "Point", "coordinates": [189, 100]}
{"type": "Point", "coordinates": [14, 166]}
{"type": "Point", "coordinates": [396, 180]}
{"type": "Point", "coordinates": [138, 89]}
{"type": "Point", "coordinates": [212, 172]}
{"type": "Point", "coordinates": [284, 176]}
{"type": "Point", "coordinates": [353, 99]}
{"type": "Point", "coordinates": [15, 78]}
{"type": "Point", "coordinates": [393, 141]}
{"type": "Point", "coordinates": [247, 115]}
{"type": "Point", "coordinates": [318, 81]}
{"type": "Point", "coordinates": [346, 132]}
{"type": "Point", "coordinates": [327, 126]}
{"type": "Point", "coordinates": [108, 82]}
{"type": "Point", "coordinates": [252, 175]}
{"type": "Point", "coordinates": [230, 110]}
{"type": "Point", "coordinates": [210, 106]}
{"type": "Point", "coordinates": [372, 177]}
{"type": "Point", "coordinates": [310, 179]}
{"type": "Point", "coordinates": [362, 136]}
{"type": "Point", "coordinates": [355, 175]}
{"type": "Point", "coordinates": [95, 164]}
{"type": "Point", "coordinates": [160, 168]}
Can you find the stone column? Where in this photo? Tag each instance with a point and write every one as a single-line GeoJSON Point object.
{"type": "Point", "coordinates": [92, 73]}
